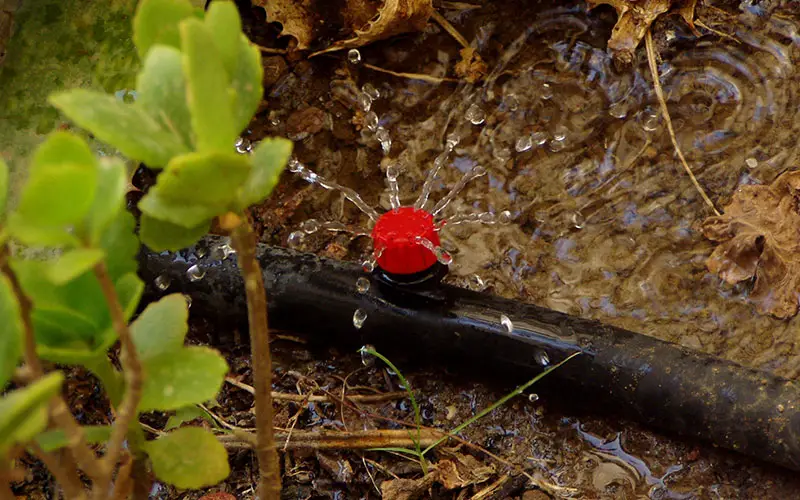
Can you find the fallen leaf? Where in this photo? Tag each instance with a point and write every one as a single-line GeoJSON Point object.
{"type": "Point", "coordinates": [471, 67]}
{"type": "Point", "coordinates": [759, 236]}
{"type": "Point", "coordinates": [406, 489]}
{"type": "Point", "coordinates": [462, 470]}
{"type": "Point", "coordinates": [634, 18]}
{"type": "Point", "coordinates": [296, 16]}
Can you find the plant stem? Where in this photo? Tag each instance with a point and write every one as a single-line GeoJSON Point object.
{"type": "Point", "coordinates": [132, 369]}
{"type": "Point", "coordinates": [59, 411]}
{"type": "Point", "coordinates": [244, 242]}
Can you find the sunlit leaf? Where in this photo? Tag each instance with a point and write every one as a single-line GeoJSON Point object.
{"type": "Point", "coordinates": [73, 263]}
{"type": "Point", "coordinates": [156, 21]}
{"type": "Point", "coordinates": [61, 149]}
{"type": "Point", "coordinates": [210, 99]}
{"type": "Point", "coordinates": [268, 159]}
{"type": "Point", "coordinates": [23, 412]}
{"type": "Point", "coordinates": [121, 245]}
{"type": "Point", "coordinates": [129, 290]}
{"type": "Point", "coordinates": [161, 235]}
{"type": "Point", "coordinates": [10, 332]}
{"type": "Point", "coordinates": [109, 198]}
{"type": "Point", "coordinates": [188, 216]}
{"type": "Point", "coordinates": [58, 197]}
{"type": "Point", "coordinates": [127, 127]}
{"type": "Point", "coordinates": [161, 91]}
{"type": "Point", "coordinates": [222, 20]}
{"type": "Point", "coordinates": [190, 375]}
{"type": "Point", "coordinates": [40, 236]}
{"type": "Point", "coordinates": [56, 439]}
{"type": "Point", "coordinates": [247, 83]}
{"type": "Point", "coordinates": [213, 178]}
{"type": "Point", "coordinates": [189, 458]}
{"type": "Point", "coordinates": [162, 327]}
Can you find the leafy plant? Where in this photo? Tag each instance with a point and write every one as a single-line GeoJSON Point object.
{"type": "Point", "coordinates": [198, 88]}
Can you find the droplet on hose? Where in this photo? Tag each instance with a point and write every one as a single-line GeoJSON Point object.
{"type": "Point", "coordinates": [359, 317]}
{"type": "Point", "coordinates": [362, 285]}
{"type": "Point", "coordinates": [367, 358]}
{"type": "Point", "coordinates": [506, 322]}
{"type": "Point", "coordinates": [195, 273]}
{"type": "Point", "coordinates": [354, 56]}
{"type": "Point", "coordinates": [162, 282]}
{"type": "Point", "coordinates": [533, 397]}
{"type": "Point", "coordinates": [542, 358]}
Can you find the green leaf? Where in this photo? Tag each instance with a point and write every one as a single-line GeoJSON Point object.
{"type": "Point", "coordinates": [247, 83]}
{"type": "Point", "coordinates": [40, 236]}
{"type": "Point", "coordinates": [222, 20]}
{"type": "Point", "coordinates": [161, 235]}
{"type": "Point", "coordinates": [268, 159]}
{"type": "Point", "coordinates": [161, 91]}
{"type": "Point", "coordinates": [121, 245]}
{"type": "Point", "coordinates": [3, 186]}
{"type": "Point", "coordinates": [187, 414]}
{"type": "Point", "coordinates": [58, 197]}
{"type": "Point", "coordinates": [214, 178]}
{"type": "Point", "coordinates": [180, 214]}
{"type": "Point", "coordinates": [56, 439]}
{"type": "Point", "coordinates": [11, 331]}
{"type": "Point", "coordinates": [210, 99]}
{"type": "Point", "coordinates": [60, 149]}
{"type": "Point", "coordinates": [188, 458]}
{"type": "Point", "coordinates": [109, 199]}
{"type": "Point", "coordinates": [177, 379]}
{"type": "Point", "coordinates": [23, 413]}
{"type": "Point", "coordinates": [156, 21]}
{"type": "Point", "coordinates": [73, 263]}
{"type": "Point", "coordinates": [127, 127]}
{"type": "Point", "coordinates": [162, 327]}
{"type": "Point", "coordinates": [129, 290]}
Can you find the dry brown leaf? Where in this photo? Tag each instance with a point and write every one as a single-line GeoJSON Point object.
{"type": "Point", "coordinates": [406, 489]}
{"type": "Point", "coordinates": [296, 16]}
{"type": "Point", "coordinates": [471, 67]}
{"type": "Point", "coordinates": [394, 17]}
{"type": "Point", "coordinates": [759, 236]}
{"type": "Point", "coordinates": [634, 18]}
{"type": "Point", "coordinates": [462, 470]}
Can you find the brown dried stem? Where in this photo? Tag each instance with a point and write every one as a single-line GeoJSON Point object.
{"type": "Point", "coordinates": [132, 369]}
{"type": "Point", "coordinates": [59, 411]}
{"type": "Point", "coordinates": [338, 440]}
{"type": "Point", "coordinates": [651, 59]}
{"type": "Point", "coordinates": [243, 241]}
{"type": "Point", "coordinates": [318, 398]}
{"type": "Point", "coordinates": [449, 28]}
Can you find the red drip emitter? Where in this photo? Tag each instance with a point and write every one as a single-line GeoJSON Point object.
{"type": "Point", "coordinates": [399, 239]}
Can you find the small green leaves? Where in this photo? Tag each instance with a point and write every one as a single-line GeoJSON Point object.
{"type": "Point", "coordinates": [109, 199]}
{"type": "Point", "coordinates": [3, 187]}
{"type": "Point", "coordinates": [207, 88]}
{"type": "Point", "coordinates": [74, 263]}
{"type": "Point", "coordinates": [161, 327]}
{"type": "Point", "coordinates": [247, 83]}
{"type": "Point", "coordinates": [189, 458]}
{"type": "Point", "coordinates": [127, 127]}
{"type": "Point", "coordinates": [161, 88]}
{"type": "Point", "coordinates": [56, 439]}
{"type": "Point", "coordinates": [23, 413]}
{"type": "Point", "coordinates": [162, 235]}
{"type": "Point", "coordinates": [156, 21]}
{"type": "Point", "coordinates": [176, 379]}
{"type": "Point", "coordinates": [59, 197]}
{"type": "Point", "coordinates": [10, 333]}
{"type": "Point", "coordinates": [222, 20]}
{"type": "Point", "coordinates": [187, 414]}
{"type": "Point", "coordinates": [269, 159]}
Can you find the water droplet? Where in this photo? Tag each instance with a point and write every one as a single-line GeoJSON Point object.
{"type": "Point", "coordinates": [385, 139]}
{"type": "Point", "coordinates": [452, 140]}
{"type": "Point", "coordinates": [478, 171]}
{"type": "Point", "coordinates": [560, 133]}
{"type": "Point", "coordinates": [502, 154]}
{"type": "Point", "coordinates": [781, 408]}
{"type": "Point", "coordinates": [578, 220]}
{"type": "Point", "coordinates": [310, 226]}
{"type": "Point", "coordinates": [523, 144]}
{"type": "Point", "coordinates": [486, 217]}
{"type": "Point", "coordinates": [188, 301]}
{"type": "Point", "coordinates": [475, 115]}
{"type": "Point", "coordinates": [504, 217]}
{"type": "Point", "coordinates": [371, 121]}
{"type": "Point", "coordinates": [556, 146]}
{"type": "Point", "coordinates": [443, 256]}
{"type": "Point", "coordinates": [364, 102]}
{"type": "Point", "coordinates": [650, 123]}
{"type": "Point", "coordinates": [243, 145]}
{"type": "Point", "coordinates": [392, 172]}
{"type": "Point", "coordinates": [295, 239]}
{"type": "Point", "coordinates": [162, 282]}
{"type": "Point", "coordinates": [506, 322]}
{"type": "Point", "coordinates": [533, 397]}
{"type": "Point", "coordinates": [362, 285]}
{"type": "Point", "coordinates": [295, 166]}
{"type": "Point", "coordinates": [367, 358]}
{"type": "Point", "coordinates": [368, 265]}
{"type": "Point", "coordinates": [539, 138]}
{"type": "Point", "coordinates": [547, 91]}
{"type": "Point", "coordinates": [359, 317]}
{"type": "Point", "coordinates": [618, 109]}
{"type": "Point", "coordinates": [354, 56]}
{"type": "Point", "coordinates": [195, 273]}
{"type": "Point", "coordinates": [512, 102]}
{"type": "Point", "coordinates": [751, 162]}
{"type": "Point", "coordinates": [227, 251]}
{"type": "Point", "coordinates": [542, 358]}
{"type": "Point", "coordinates": [476, 283]}
{"type": "Point", "coordinates": [371, 91]}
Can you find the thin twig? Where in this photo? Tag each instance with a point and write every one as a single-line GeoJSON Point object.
{"type": "Point", "coordinates": [449, 28]}
{"type": "Point", "coordinates": [412, 76]}
{"type": "Point", "coordinates": [59, 411]}
{"type": "Point", "coordinates": [244, 242]}
{"type": "Point", "coordinates": [299, 398]}
{"type": "Point", "coordinates": [66, 477]}
{"type": "Point", "coordinates": [491, 488]}
{"type": "Point", "coordinates": [651, 59]}
{"type": "Point", "coordinates": [132, 369]}
{"type": "Point", "coordinates": [337, 440]}
{"type": "Point", "coordinates": [268, 50]}
{"type": "Point", "coordinates": [720, 34]}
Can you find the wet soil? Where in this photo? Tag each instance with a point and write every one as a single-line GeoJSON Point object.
{"type": "Point", "coordinates": [604, 227]}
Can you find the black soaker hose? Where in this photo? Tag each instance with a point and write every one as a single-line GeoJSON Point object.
{"type": "Point", "coordinates": [657, 383]}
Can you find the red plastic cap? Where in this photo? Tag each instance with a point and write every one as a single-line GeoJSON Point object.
{"type": "Point", "coordinates": [395, 237]}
